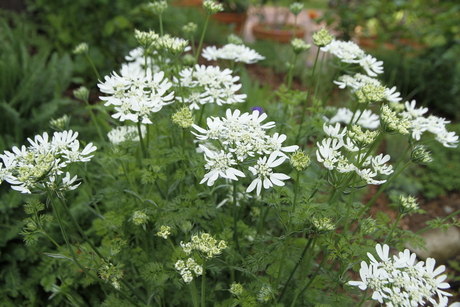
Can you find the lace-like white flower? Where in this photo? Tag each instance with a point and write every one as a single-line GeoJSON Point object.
{"type": "Point", "coordinates": [233, 52]}
{"type": "Point", "coordinates": [41, 165]}
{"type": "Point", "coordinates": [400, 281]}
{"type": "Point", "coordinates": [136, 93]}
{"type": "Point", "coordinates": [209, 84]}
{"type": "Point", "coordinates": [366, 120]}
{"type": "Point", "coordinates": [265, 175]}
{"type": "Point", "coordinates": [125, 133]}
{"type": "Point", "coordinates": [242, 139]}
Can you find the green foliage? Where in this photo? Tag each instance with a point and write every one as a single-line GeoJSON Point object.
{"type": "Point", "coordinates": [32, 80]}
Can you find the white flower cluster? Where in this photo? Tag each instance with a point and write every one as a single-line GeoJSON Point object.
{"type": "Point", "coordinates": [41, 164]}
{"type": "Point", "coordinates": [435, 125]}
{"type": "Point", "coordinates": [358, 81]}
{"type": "Point", "coordinates": [349, 52]}
{"type": "Point", "coordinates": [125, 133]}
{"type": "Point", "coordinates": [187, 267]}
{"type": "Point", "coordinates": [340, 151]}
{"type": "Point", "coordinates": [205, 244]}
{"type": "Point", "coordinates": [242, 137]}
{"type": "Point", "coordinates": [365, 119]}
{"type": "Point", "coordinates": [233, 52]}
{"type": "Point", "coordinates": [209, 84]}
{"type": "Point", "coordinates": [400, 281]}
{"type": "Point", "coordinates": [136, 93]}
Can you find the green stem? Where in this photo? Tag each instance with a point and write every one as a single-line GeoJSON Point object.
{"type": "Point", "coordinates": [198, 51]}
{"type": "Point", "coordinates": [96, 72]}
{"type": "Point", "coordinates": [393, 228]}
{"type": "Point", "coordinates": [203, 286]}
{"type": "Point", "coordinates": [235, 218]}
{"type": "Point", "coordinates": [445, 219]}
{"type": "Point", "coordinates": [305, 105]}
{"type": "Point", "coordinates": [141, 139]}
{"type": "Point", "coordinates": [194, 294]}
{"type": "Point", "coordinates": [160, 16]}
{"type": "Point", "coordinates": [93, 118]}
{"type": "Point", "coordinates": [310, 282]}
{"type": "Point", "coordinates": [291, 72]}
{"type": "Point", "coordinates": [310, 240]}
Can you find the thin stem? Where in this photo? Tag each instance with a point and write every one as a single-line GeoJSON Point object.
{"type": "Point", "coordinates": [310, 240]}
{"type": "Point", "coordinates": [160, 17]}
{"type": "Point", "coordinates": [445, 219]}
{"type": "Point", "coordinates": [393, 228]}
{"type": "Point", "coordinates": [304, 110]}
{"type": "Point", "coordinates": [93, 118]}
{"type": "Point", "coordinates": [198, 51]}
{"type": "Point", "coordinates": [96, 72]}
{"type": "Point", "coordinates": [309, 283]}
{"type": "Point", "coordinates": [141, 140]}
{"type": "Point", "coordinates": [291, 71]}
{"type": "Point", "coordinates": [235, 218]}
{"type": "Point", "coordinates": [203, 286]}
{"type": "Point", "coordinates": [194, 294]}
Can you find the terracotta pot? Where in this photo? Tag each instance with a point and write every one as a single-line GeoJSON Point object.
{"type": "Point", "coordinates": [371, 43]}
{"type": "Point", "coordinates": [229, 18]}
{"type": "Point", "coordinates": [270, 32]}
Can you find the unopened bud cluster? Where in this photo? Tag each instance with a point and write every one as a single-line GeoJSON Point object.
{"type": "Point", "coordinates": [298, 45]}
{"type": "Point", "coordinates": [157, 7]}
{"type": "Point", "coordinates": [234, 39]}
{"type": "Point", "coordinates": [139, 218]}
{"type": "Point", "coordinates": [420, 155]}
{"type": "Point", "coordinates": [236, 289]}
{"type": "Point", "coordinates": [190, 28]}
{"type": "Point", "coordinates": [296, 8]}
{"type": "Point", "coordinates": [164, 231]}
{"type": "Point", "coordinates": [322, 38]}
{"type": "Point", "coordinates": [81, 93]}
{"type": "Point", "coordinates": [184, 118]}
{"type": "Point", "coordinates": [211, 7]}
{"type": "Point", "coordinates": [145, 39]}
{"type": "Point", "coordinates": [323, 224]}
{"type": "Point", "coordinates": [187, 268]}
{"type": "Point", "coordinates": [370, 93]}
{"type": "Point", "coordinates": [407, 204]}
{"type": "Point", "coordinates": [81, 48]}
{"type": "Point", "coordinates": [205, 244]}
{"type": "Point", "coordinates": [61, 123]}
{"type": "Point", "coordinates": [392, 123]}
{"type": "Point", "coordinates": [361, 138]}
{"type": "Point", "coordinates": [300, 161]}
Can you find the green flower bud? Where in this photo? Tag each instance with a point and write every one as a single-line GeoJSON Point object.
{"type": "Point", "coordinates": [298, 45]}
{"type": "Point", "coordinates": [300, 161]}
{"type": "Point", "coordinates": [236, 289]}
{"type": "Point", "coordinates": [420, 155]}
{"type": "Point", "coordinates": [81, 93]}
{"type": "Point", "coordinates": [211, 7]}
{"type": "Point", "coordinates": [322, 38]}
{"type": "Point", "coordinates": [81, 48]}
{"type": "Point", "coordinates": [296, 8]}
{"type": "Point", "coordinates": [184, 118]}
{"type": "Point", "coordinates": [234, 39]}
{"type": "Point", "coordinates": [158, 7]}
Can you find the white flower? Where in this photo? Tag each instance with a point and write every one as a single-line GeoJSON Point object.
{"type": "Point", "coordinates": [233, 52]}
{"type": "Point", "coordinates": [265, 176]}
{"type": "Point", "coordinates": [125, 133]}
{"type": "Point", "coordinates": [219, 165]}
{"type": "Point", "coordinates": [327, 152]}
{"type": "Point", "coordinates": [378, 163]}
{"type": "Point", "coordinates": [371, 65]}
{"type": "Point", "coordinates": [391, 95]}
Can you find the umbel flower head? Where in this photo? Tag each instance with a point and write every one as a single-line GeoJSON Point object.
{"type": "Point", "coordinates": [234, 52]}
{"type": "Point", "coordinates": [41, 165]}
{"type": "Point", "coordinates": [136, 94]}
{"type": "Point", "coordinates": [400, 281]}
{"type": "Point", "coordinates": [242, 138]}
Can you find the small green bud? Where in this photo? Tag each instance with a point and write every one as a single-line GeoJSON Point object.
{"type": "Point", "coordinates": [236, 289]}
{"type": "Point", "coordinates": [323, 224]}
{"type": "Point", "coordinates": [299, 160]}
{"type": "Point", "coordinates": [420, 155]}
{"type": "Point", "coordinates": [145, 39]}
{"type": "Point", "coordinates": [164, 231]}
{"type": "Point", "coordinates": [81, 93]}
{"type": "Point", "coordinates": [322, 38]}
{"type": "Point", "coordinates": [296, 8]}
{"type": "Point", "coordinates": [234, 39]}
{"type": "Point", "coordinates": [60, 124]}
{"type": "Point", "coordinates": [368, 226]}
{"type": "Point", "coordinates": [407, 204]}
{"type": "Point", "coordinates": [190, 28]}
{"type": "Point", "coordinates": [211, 7]}
{"type": "Point", "coordinates": [81, 48]}
{"type": "Point", "coordinates": [157, 7]}
{"type": "Point", "coordinates": [370, 93]}
{"type": "Point", "coordinates": [298, 45]}
{"type": "Point", "coordinates": [184, 118]}
{"type": "Point", "coordinates": [139, 218]}
{"type": "Point", "coordinates": [188, 59]}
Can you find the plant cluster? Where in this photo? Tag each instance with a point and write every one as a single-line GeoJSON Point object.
{"type": "Point", "coordinates": [186, 202]}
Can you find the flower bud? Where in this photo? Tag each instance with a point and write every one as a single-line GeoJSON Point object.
{"type": "Point", "coordinates": [81, 48]}
{"type": "Point", "coordinates": [296, 8]}
{"type": "Point", "coordinates": [81, 93]}
{"type": "Point", "coordinates": [298, 45]}
{"type": "Point", "coordinates": [322, 38]}
{"type": "Point", "coordinates": [211, 7]}
{"type": "Point", "coordinates": [420, 155]}
{"type": "Point", "coordinates": [300, 161]}
{"type": "Point", "coordinates": [184, 118]}
{"type": "Point", "coordinates": [158, 7]}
